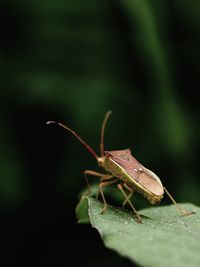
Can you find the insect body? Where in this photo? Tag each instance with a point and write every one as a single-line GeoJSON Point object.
{"type": "Point", "coordinates": [125, 167]}
{"type": "Point", "coordinates": [122, 168]}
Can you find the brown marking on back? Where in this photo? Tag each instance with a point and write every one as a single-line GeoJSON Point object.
{"type": "Point", "coordinates": [136, 170]}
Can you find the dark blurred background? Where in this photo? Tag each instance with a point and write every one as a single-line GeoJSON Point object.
{"type": "Point", "coordinates": [72, 61]}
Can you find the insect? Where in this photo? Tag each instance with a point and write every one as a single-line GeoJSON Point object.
{"type": "Point", "coordinates": [122, 168]}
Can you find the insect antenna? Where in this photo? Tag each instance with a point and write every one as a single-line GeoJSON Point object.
{"type": "Point", "coordinates": [102, 132]}
{"type": "Point", "coordinates": [76, 135]}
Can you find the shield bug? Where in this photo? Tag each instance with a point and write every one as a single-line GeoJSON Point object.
{"type": "Point", "coordinates": [122, 168]}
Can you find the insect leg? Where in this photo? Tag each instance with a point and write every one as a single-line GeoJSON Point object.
{"type": "Point", "coordinates": [126, 199]}
{"type": "Point", "coordinates": [129, 196]}
{"type": "Point", "coordinates": [104, 178]}
{"type": "Point", "coordinates": [97, 174]}
{"type": "Point", "coordinates": [131, 205]}
{"type": "Point", "coordinates": [101, 185]}
{"type": "Point", "coordinates": [181, 210]}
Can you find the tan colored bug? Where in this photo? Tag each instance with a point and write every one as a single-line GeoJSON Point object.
{"type": "Point", "coordinates": [124, 169]}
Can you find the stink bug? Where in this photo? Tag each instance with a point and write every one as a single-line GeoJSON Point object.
{"type": "Point", "coordinates": [122, 168]}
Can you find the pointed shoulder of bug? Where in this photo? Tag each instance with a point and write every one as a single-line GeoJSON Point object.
{"type": "Point", "coordinates": [124, 158]}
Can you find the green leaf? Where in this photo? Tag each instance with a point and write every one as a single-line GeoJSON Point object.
{"type": "Point", "coordinates": [165, 238]}
{"type": "Point", "coordinates": [82, 211]}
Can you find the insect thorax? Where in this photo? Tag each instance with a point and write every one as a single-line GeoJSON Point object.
{"type": "Point", "coordinates": [113, 168]}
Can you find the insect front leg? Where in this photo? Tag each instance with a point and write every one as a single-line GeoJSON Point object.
{"type": "Point", "coordinates": [179, 208]}
{"type": "Point", "coordinates": [139, 220]}
{"type": "Point", "coordinates": [97, 174]}
{"type": "Point", "coordinates": [101, 185]}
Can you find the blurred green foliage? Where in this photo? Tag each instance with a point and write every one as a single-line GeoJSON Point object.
{"type": "Point", "coordinates": [72, 61]}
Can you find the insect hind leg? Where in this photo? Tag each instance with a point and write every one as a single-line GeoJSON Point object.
{"type": "Point", "coordinates": [179, 208]}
